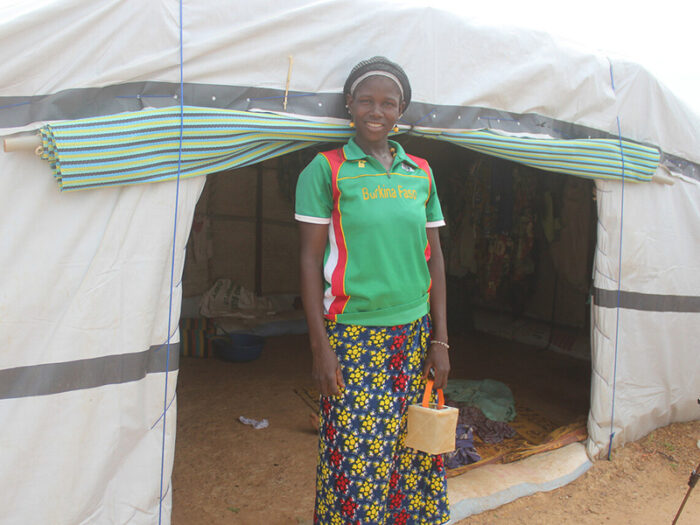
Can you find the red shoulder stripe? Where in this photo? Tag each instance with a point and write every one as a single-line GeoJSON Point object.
{"type": "Point", "coordinates": [423, 164]}
{"type": "Point", "coordinates": [336, 158]}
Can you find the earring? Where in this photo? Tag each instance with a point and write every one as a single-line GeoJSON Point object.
{"type": "Point", "coordinates": [396, 128]}
{"type": "Point", "coordinates": [352, 124]}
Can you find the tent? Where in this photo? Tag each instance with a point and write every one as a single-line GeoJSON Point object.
{"type": "Point", "coordinates": [91, 288]}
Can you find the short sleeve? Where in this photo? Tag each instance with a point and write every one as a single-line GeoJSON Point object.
{"type": "Point", "coordinates": [314, 198]}
{"type": "Point", "coordinates": [433, 210]}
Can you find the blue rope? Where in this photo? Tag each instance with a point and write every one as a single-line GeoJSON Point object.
{"type": "Point", "coordinates": [154, 425]}
{"type": "Point", "coordinates": [172, 274]}
{"type": "Point", "coordinates": [15, 105]}
{"type": "Point", "coordinates": [619, 274]}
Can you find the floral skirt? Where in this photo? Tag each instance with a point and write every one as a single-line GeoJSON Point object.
{"type": "Point", "coordinates": [365, 474]}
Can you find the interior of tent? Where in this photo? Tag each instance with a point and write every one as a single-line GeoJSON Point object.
{"type": "Point", "coordinates": [519, 251]}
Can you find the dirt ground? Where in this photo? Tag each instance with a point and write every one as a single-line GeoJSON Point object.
{"type": "Point", "coordinates": [229, 473]}
{"type": "Point", "coordinates": [644, 483]}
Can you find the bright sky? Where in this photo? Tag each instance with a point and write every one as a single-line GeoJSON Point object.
{"type": "Point", "coordinates": [661, 36]}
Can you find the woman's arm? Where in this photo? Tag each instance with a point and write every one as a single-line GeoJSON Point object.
{"type": "Point", "coordinates": [437, 356]}
{"type": "Point", "coordinates": [325, 372]}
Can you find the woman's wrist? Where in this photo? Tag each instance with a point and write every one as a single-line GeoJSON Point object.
{"type": "Point", "coordinates": [440, 343]}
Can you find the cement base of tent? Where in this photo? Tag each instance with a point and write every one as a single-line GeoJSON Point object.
{"type": "Point", "coordinates": [491, 486]}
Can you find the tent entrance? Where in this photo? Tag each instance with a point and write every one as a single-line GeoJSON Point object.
{"type": "Point", "coordinates": [244, 232]}
{"type": "Point", "coordinates": [519, 247]}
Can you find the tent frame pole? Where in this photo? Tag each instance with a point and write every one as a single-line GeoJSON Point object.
{"type": "Point", "coordinates": [694, 476]}
{"type": "Point", "coordinates": [24, 143]}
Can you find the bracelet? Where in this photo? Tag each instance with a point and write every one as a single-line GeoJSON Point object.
{"type": "Point", "coordinates": [436, 342]}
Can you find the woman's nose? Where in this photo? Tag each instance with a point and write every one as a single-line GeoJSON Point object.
{"type": "Point", "coordinates": [375, 109]}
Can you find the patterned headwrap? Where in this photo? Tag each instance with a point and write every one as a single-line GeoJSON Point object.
{"type": "Point", "coordinates": [379, 66]}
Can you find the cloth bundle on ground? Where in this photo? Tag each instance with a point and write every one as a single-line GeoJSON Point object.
{"type": "Point", "coordinates": [237, 309]}
{"type": "Point", "coordinates": [464, 453]}
{"type": "Point", "coordinates": [473, 421]}
{"type": "Point", "coordinates": [228, 298]}
{"type": "Point", "coordinates": [484, 407]}
{"type": "Point", "coordinates": [488, 430]}
{"type": "Point", "coordinates": [494, 398]}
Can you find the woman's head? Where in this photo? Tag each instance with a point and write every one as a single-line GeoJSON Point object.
{"type": "Point", "coordinates": [377, 92]}
{"type": "Point", "coordinates": [379, 66]}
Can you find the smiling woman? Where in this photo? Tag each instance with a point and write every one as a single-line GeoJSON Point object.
{"type": "Point", "coordinates": [375, 106]}
{"type": "Point", "coordinates": [373, 286]}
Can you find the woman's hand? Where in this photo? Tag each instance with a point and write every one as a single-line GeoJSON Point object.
{"type": "Point", "coordinates": [325, 370]}
{"type": "Point", "coordinates": [438, 359]}
{"type": "Point", "coordinates": [326, 373]}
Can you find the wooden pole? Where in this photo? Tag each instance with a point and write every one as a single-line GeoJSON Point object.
{"type": "Point", "coordinates": [289, 77]}
{"type": "Point", "coordinates": [23, 143]}
{"type": "Point", "coordinates": [662, 176]}
{"type": "Point", "coordinates": [691, 483]}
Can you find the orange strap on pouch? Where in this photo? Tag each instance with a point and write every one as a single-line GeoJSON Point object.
{"type": "Point", "coordinates": [428, 391]}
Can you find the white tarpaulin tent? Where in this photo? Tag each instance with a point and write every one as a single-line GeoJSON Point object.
{"type": "Point", "coordinates": [90, 279]}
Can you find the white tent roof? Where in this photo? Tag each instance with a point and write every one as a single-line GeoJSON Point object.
{"type": "Point", "coordinates": [453, 62]}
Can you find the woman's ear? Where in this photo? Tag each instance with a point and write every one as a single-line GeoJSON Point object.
{"type": "Point", "coordinates": [402, 107]}
{"type": "Point", "coordinates": [348, 101]}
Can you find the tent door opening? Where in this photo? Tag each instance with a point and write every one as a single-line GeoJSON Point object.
{"type": "Point", "coordinates": [518, 251]}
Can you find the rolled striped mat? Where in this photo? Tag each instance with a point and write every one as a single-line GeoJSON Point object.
{"type": "Point", "coordinates": [588, 158]}
{"type": "Point", "coordinates": [144, 146]}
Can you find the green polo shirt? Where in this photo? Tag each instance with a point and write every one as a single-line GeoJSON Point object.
{"type": "Point", "coordinates": [375, 265]}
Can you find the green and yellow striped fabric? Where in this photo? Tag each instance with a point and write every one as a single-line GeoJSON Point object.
{"type": "Point", "coordinates": [588, 158]}
{"type": "Point", "coordinates": [143, 146]}
{"type": "Point", "coordinates": [140, 147]}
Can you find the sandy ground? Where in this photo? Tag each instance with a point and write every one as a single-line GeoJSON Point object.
{"type": "Point", "coordinates": [229, 473]}
{"type": "Point", "coordinates": [644, 483]}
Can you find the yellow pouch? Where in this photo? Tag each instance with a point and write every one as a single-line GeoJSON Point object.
{"type": "Point", "coordinates": [431, 427]}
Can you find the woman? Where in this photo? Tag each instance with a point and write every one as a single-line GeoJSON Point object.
{"type": "Point", "coordinates": [372, 279]}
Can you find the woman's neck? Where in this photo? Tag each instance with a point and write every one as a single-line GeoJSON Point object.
{"type": "Point", "coordinates": [379, 150]}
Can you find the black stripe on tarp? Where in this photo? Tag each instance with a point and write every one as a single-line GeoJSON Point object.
{"type": "Point", "coordinates": [77, 103]}
{"type": "Point", "coordinates": [646, 301]}
{"type": "Point", "coordinates": [55, 378]}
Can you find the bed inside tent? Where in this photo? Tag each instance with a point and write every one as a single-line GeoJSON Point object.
{"type": "Point", "coordinates": [518, 248]}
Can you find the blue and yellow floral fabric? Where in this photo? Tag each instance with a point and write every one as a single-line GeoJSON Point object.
{"type": "Point", "coordinates": [365, 473]}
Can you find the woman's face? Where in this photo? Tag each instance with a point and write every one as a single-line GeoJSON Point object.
{"type": "Point", "coordinates": [375, 107]}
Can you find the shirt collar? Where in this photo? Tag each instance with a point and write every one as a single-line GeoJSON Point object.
{"type": "Point", "coordinates": [354, 152]}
